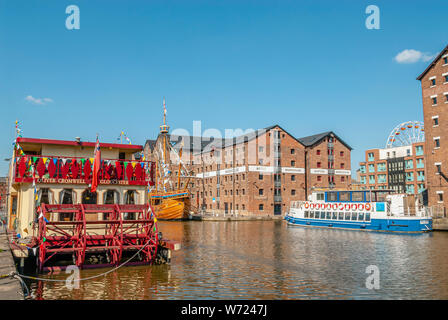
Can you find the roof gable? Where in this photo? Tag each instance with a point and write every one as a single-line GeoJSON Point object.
{"type": "Point", "coordinates": [433, 63]}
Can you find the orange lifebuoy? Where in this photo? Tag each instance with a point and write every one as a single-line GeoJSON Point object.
{"type": "Point", "coordinates": [307, 205]}
{"type": "Point", "coordinates": [341, 206]}
{"type": "Point", "coordinates": [334, 206]}
{"type": "Point", "coordinates": [368, 206]}
{"type": "Point", "coordinates": [361, 207]}
{"type": "Point", "coordinates": [354, 206]}
{"type": "Point", "coordinates": [347, 207]}
{"type": "Point", "coordinates": [312, 206]}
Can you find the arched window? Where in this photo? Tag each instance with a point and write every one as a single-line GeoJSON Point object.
{"type": "Point", "coordinates": [130, 197]}
{"type": "Point", "coordinates": [44, 195]}
{"type": "Point", "coordinates": [88, 197]}
{"type": "Point", "coordinates": [66, 196]}
{"type": "Point", "coordinates": [111, 197]}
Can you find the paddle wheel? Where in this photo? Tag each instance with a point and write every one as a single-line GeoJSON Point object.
{"type": "Point", "coordinates": [88, 235]}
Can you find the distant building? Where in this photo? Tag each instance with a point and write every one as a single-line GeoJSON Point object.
{"type": "Point", "coordinates": [434, 82]}
{"type": "Point", "coordinates": [399, 168]}
{"type": "Point", "coordinates": [263, 171]}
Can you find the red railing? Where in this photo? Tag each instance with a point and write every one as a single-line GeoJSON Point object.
{"type": "Point", "coordinates": [78, 170]}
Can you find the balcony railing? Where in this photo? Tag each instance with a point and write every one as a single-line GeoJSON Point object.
{"type": "Point", "coordinates": [277, 198]}
{"type": "Point", "coordinates": [77, 170]}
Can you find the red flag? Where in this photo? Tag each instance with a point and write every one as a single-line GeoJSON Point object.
{"type": "Point", "coordinates": [96, 165]}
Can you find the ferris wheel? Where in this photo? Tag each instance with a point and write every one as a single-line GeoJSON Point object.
{"type": "Point", "coordinates": [406, 134]}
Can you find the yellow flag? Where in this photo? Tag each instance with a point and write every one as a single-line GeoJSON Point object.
{"type": "Point", "coordinates": [91, 160]}
{"type": "Point", "coordinates": [133, 164]}
{"type": "Point", "coordinates": [45, 160]}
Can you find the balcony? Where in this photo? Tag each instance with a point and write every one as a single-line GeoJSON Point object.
{"type": "Point", "coordinates": [420, 178]}
{"type": "Point", "coordinates": [277, 184]}
{"type": "Point", "coordinates": [277, 198]}
{"type": "Point", "coordinates": [76, 170]}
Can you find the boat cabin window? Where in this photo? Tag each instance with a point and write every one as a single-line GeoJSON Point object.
{"type": "Point", "coordinates": [361, 216]}
{"type": "Point", "coordinates": [358, 196]}
{"type": "Point", "coordinates": [322, 215]}
{"type": "Point", "coordinates": [367, 216]}
{"type": "Point", "coordinates": [335, 216]}
{"type": "Point", "coordinates": [66, 196]}
{"type": "Point", "coordinates": [344, 196]}
{"type": "Point", "coordinates": [307, 213]}
{"type": "Point", "coordinates": [320, 196]}
{"type": "Point", "coordinates": [44, 195]}
{"type": "Point", "coordinates": [341, 216]}
{"type": "Point", "coordinates": [111, 197]}
{"type": "Point", "coordinates": [332, 196]}
{"type": "Point", "coordinates": [130, 197]}
{"type": "Point", "coordinates": [381, 196]}
{"type": "Point", "coordinates": [347, 216]}
{"type": "Point", "coordinates": [312, 214]}
{"type": "Point", "coordinates": [328, 215]}
{"type": "Point", "coordinates": [88, 197]}
{"type": "Point", "coordinates": [354, 216]}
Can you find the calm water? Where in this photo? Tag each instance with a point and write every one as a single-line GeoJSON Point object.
{"type": "Point", "coordinates": [270, 260]}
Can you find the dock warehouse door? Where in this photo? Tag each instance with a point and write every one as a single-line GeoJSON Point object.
{"type": "Point", "coordinates": [277, 209]}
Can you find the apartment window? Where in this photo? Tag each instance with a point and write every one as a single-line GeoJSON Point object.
{"type": "Point", "coordinates": [260, 161]}
{"type": "Point", "coordinates": [318, 152]}
{"type": "Point", "coordinates": [446, 78]}
{"type": "Point", "coordinates": [439, 196]}
{"type": "Point", "coordinates": [437, 142]}
{"type": "Point", "coordinates": [260, 207]}
{"type": "Point", "coordinates": [293, 177]}
{"type": "Point", "coordinates": [446, 97]}
{"type": "Point", "coordinates": [445, 60]}
{"type": "Point", "coordinates": [319, 178]}
{"type": "Point", "coordinates": [319, 165]}
{"type": "Point", "coordinates": [244, 192]}
{"type": "Point", "coordinates": [260, 176]}
{"type": "Point", "coordinates": [260, 149]}
{"type": "Point", "coordinates": [293, 151]}
{"type": "Point", "coordinates": [342, 179]}
{"type": "Point", "coordinates": [293, 163]}
{"type": "Point", "coordinates": [341, 153]}
{"type": "Point", "coordinates": [433, 82]}
{"type": "Point", "coordinates": [293, 192]}
{"type": "Point", "coordinates": [260, 192]}
{"type": "Point", "coordinates": [434, 100]}
{"type": "Point", "coordinates": [342, 165]}
{"type": "Point", "coordinates": [435, 121]}
{"type": "Point", "coordinates": [439, 167]}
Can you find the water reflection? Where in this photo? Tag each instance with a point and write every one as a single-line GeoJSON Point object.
{"type": "Point", "coordinates": [269, 260]}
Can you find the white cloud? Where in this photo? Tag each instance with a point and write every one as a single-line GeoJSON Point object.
{"type": "Point", "coordinates": [41, 101]}
{"type": "Point", "coordinates": [413, 56]}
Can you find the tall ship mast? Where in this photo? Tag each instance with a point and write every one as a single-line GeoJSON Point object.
{"type": "Point", "coordinates": [169, 196]}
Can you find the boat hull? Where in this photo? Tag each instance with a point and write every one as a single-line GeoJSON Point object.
{"type": "Point", "coordinates": [171, 209]}
{"type": "Point", "coordinates": [383, 225]}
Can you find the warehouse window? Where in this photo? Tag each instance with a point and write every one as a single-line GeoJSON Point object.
{"type": "Point", "coordinates": [260, 207]}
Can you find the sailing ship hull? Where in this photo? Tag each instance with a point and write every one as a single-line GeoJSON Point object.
{"type": "Point", "coordinates": [171, 209]}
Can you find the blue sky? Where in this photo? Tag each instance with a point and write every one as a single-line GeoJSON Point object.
{"type": "Point", "coordinates": [309, 66]}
